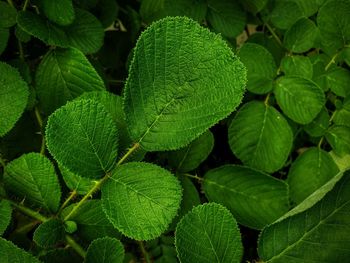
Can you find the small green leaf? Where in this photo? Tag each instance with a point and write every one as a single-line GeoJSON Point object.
{"type": "Point", "coordinates": [5, 215]}
{"type": "Point", "coordinates": [82, 137]}
{"type": "Point", "coordinates": [106, 250]}
{"type": "Point", "coordinates": [285, 14]}
{"type": "Point", "coordinates": [32, 177]}
{"type": "Point", "coordinates": [254, 198]}
{"type": "Point", "coordinates": [260, 65]}
{"type": "Point", "coordinates": [13, 97]}
{"type": "Point", "coordinates": [9, 253]}
{"type": "Point", "coordinates": [63, 75]}
{"type": "Point", "coordinates": [199, 236]}
{"type": "Point", "coordinates": [301, 36]}
{"type": "Point", "coordinates": [61, 12]}
{"type": "Point", "coordinates": [141, 199]}
{"type": "Point", "coordinates": [190, 157]}
{"type": "Point", "coordinates": [339, 138]}
{"type": "Point", "coordinates": [180, 63]}
{"type": "Point", "coordinates": [300, 99]}
{"type": "Point", "coordinates": [49, 233]}
{"type": "Point", "coordinates": [342, 116]}
{"type": "Point", "coordinates": [260, 137]}
{"type": "Point", "coordinates": [8, 15]}
{"type": "Point", "coordinates": [309, 172]}
{"type": "Point", "coordinates": [297, 66]}
{"type": "Point", "coordinates": [318, 126]}
{"type": "Point", "coordinates": [75, 182]}
{"type": "Point", "coordinates": [70, 227]}
{"type": "Point", "coordinates": [322, 228]}
{"type": "Point", "coordinates": [338, 80]}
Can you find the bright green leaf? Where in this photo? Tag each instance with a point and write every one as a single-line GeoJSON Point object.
{"type": "Point", "coordinates": [343, 162]}
{"type": "Point", "coordinates": [9, 253]}
{"type": "Point", "coordinates": [105, 250]}
{"type": "Point", "coordinates": [318, 126]}
{"type": "Point", "coordinates": [199, 236]}
{"type": "Point", "coordinates": [61, 12]}
{"type": "Point", "coordinates": [298, 66]}
{"type": "Point", "coordinates": [8, 15]}
{"type": "Point", "coordinates": [5, 215]}
{"type": "Point", "coordinates": [176, 64]}
{"type": "Point", "coordinates": [141, 199]}
{"type": "Point", "coordinates": [49, 233]}
{"type": "Point", "coordinates": [32, 177]}
{"type": "Point", "coordinates": [338, 80]}
{"type": "Point", "coordinates": [82, 137]}
{"type": "Point", "coordinates": [260, 137]}
{"type": "Point", "coordinates": [339, 138]}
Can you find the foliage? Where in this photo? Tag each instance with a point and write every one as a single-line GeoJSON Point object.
{"type": "Point", "coordinates": [174, 131]}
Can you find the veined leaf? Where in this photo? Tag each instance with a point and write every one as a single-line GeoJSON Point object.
{"type": "Point", "coordinates": [13, 97]}
{"type": "Point", "coordinates": [9, 253]}
{"type": "Point", "coordinates": [141, 199]}
{"type": "Point", "coordinates": [297, 66]}
{"type": "Point", "coordinates": [75, 182]}
{"type": "Point", "coordinates": [338, 81]}
{"type": "Point", "coordinates": [318, 126]}
{"type": "Point", "coordinates": [61, 12]}
{"type": "Point", "coordinates": [63, 75]}
{"type": "Point", "coordinates": [5, 215]}
{"type": "Point", "coordinates": [300, 99]}
{"type": "Point", "coordinates": [323, 228]}
{"type": "Point", "coordinates": [285, 14]}
{"type": "Point", "coordinates": [32, 177]}
{"type": "Point", "coordinates": [260, 137]}
{"type": "Point", "coordinates": [310, 171]}
{"type": "Point", "coordinates": [7, 15]}
{"type": "Point", "coordinates": [342, 116]}
{"type": "Point", "coordinates": [339, 138]}
{"type": "Point", "coordinates": [254, 198]}
{"type": "Point", "coordinates": [81, 136]}
{"type": "Point", "coordinates": [176, 64]}
{"type": "Point", "coordinates": [49, 233]}
{"type": "Point", "coordinates": [106, 250]}
{"type": "Point", "coordinates": [199, 236]}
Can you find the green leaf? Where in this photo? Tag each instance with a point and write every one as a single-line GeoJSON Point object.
{"type": "Point", "coordinates": [199, 236]}
{"type": "Point", "coordinates": [339, 138]}
{"type": "Point", "coordinates": [85, 33]}
{"type": "Point", "coordinates": [49, 233]}
{"type": "Point", "coordinates": [105, 250]}
{"type": "Point", "coordinates": [298, 66]}
{"type": "Point", "coordinates": [4, 37]}
{"type": "Point", "coordinates": [254, 6]}
{"type": "Point", "coordinates": [342, 116]}
{"type": "Point", "coordinates": [74, 182]}
{"type": "Point", "coordinates": [338, 80]}
{"type": "Point", "coordinates": [285, 13]}
{"type": "Point", "coordinates": [301, 36]}
{"type": "Point", "coordinates": [322, 228]}
{"type": "Point", "coordinates": [5, 215]}
{"type": "Point", "coordinates": [343, 162]}
{"type": "Point", "coordinates": [32, 177]}
{"type": "Point", "coordinates": [141, 199]}
{"type": "Point", "coordinates": [82, 137]}
{"type": "Point", "coordinates": [310, 171]}
{"type": "Point", "coordinates": [260, 65]}
{"type": "Point", "coordinates": [66, 255]}
{"type": "Point", "coordinates": [318, 126]}
{"type": "Point", "coordinates": [9, 253]}
{"type": "Point", "coordinates": [107, 12]}
{"type": "Point", "coordinates": [260, 137]}
{"type": "Point", "coordinates": [226, 17]}
{"type": "Point", "coordinates": [22, 35]}
{"type": "Point", "coordinates": [180, 63]}
{"type": "Point", "coordinates": [254, 198]}
{"type": "Point", "coordinates": [13, 97]}
{"type": "Point", "coordinates": [190, 157]}
{"type": "Point", "coordinates": [60, 12]}
{"type": "Point", "coordinates": [300, 99]}
{"type": "Point", "coordinates": [8, 15]}
{"type": "Point", "coordinates": [63, 75]}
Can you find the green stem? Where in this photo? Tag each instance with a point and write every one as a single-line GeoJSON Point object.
{"type": "Point", "coordinates": [274, 34]}
{"type": "Point", "coordinates": [29, 212]}
{"type": "Point", "coordinates": [66, 202]}
{"type": "Point", "coordinates": [144, 252]}
{"type": "Point", "coordinates": [332, 60]}
{"type": "Point", "coordinates": [26, 228]}
{"type": "Point", "coordinates": [129, 152]}
{"type": "Point", "coordinates": [73, 244]}
{"type": "Point", "coordinates": [26, 3]}
{"type": "Point", "coordinates": [40, 123]}
{"type": "Point", "coordinates": [266, 101]}
{"type": "Point", "coordinates": [194, 177]}
{"type": "Point", "coordinates": [2, 162]}
{"type": "Point", "coordinates": [320, 143]}
{"type": "Point", "coordinates": [11, 3]}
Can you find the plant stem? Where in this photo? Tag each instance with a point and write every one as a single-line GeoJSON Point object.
{"type": "Point", "coordinates": [25, 5]}
{"type": "Point", "coordinates": [11, 3]}
{"type": "Point", "coordinates": [194, 177]}
{"type": "Point", "coordinates": [40, 123]}
{"type": "Point", "coordinates": [66, 202]}
{"type": "Point", "coordinates": [144, 252]}
{"type": "Point", "coordinates": [320, 143]}
{"type": "Point", "coordinates": [26, 228]}
{"type": "Point", "coordinates": [129, 152]}
{"type": "Point", "coordinates": [29, 212]}
{"type": "Point", "coordinates": [73, 244]}
{"type": "Point", "coordinates": [332, 60]}
{"type": "Point", "coordinates": [274, 34]}
{"type": "Point", "coordinates": [266, 101]}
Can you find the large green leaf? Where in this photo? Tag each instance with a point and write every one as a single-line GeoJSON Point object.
{"type": "Point", "coordinates": [13, 97]}
{"type": "Point", "coordinates": [7, 15]}
{"type": "Point", "coordinates": [32, 177]}
{"type": "Point", "coordinates": [285, 13]}
{"type": "Point", "coordinates": [298, 66]}
{"type": "Point", "coordinates": [209, 233]}
{"type": "Point", "coordinates": [9, 253]}
{"type": "Point", "coordinates": [254, 198]}
{"type": "Point", "coordinates": [5, 215]}
{"type": "Point", "coordinates": [260, 65]}
{"type": "Point", "coordinates": [61, 12]}
{"type": "Point", "coordinates": [338, 81]}
{"type": "Point", "coordinates": [319, 234]}
{"type": "Point", "coordinates": [176, 64]}
{"type": "Point", "coordinates": [63, 75]}
{"type": "Point", "coordinates": [260, 137]}
{"type": "Point", "coordinates": [310, 171]}
{"type": "Point", "coordinates": [226, 17]}
{"type": "Point", "coordinates": [300, 99]}
{"type": "Point", "coordinates": [105, 250]}
{"type": "Point", "coordinates": [141, 199]}
{"type": "Point", "coordinates": [82, 137]}
{"type": "Point", "coordinates": [85, 33]}
{"type": "Point", "coordinates": [49, 233]}
{"type": "Point", "coordinates": [339, 138]}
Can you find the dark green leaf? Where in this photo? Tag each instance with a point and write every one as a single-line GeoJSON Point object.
{"type": "Point", "coordinates": [105, 250]}
{"type": "Point", "coordinates": [342, 116]}
{"type": "Point", "coordinates": [9, 253]}
{"type": "Point", "coordinates": [319, 125]}
{"type": "Point", "coordinates": [5, 215]}
{"type": "Point", "coordinates": [8, 15]}
{"type": "Point", "coordinates": [4, 36]}
{"type": "Point", "coordinates": [49, 233]}
{"type": "Point", "coordinates": [339, 138]}
{"type": "Point", "coordinates": [338, 80]}
{"type": "Point", "coordinates": [285, 14]}
{"type": "Point", "coordinates": [61, 12]}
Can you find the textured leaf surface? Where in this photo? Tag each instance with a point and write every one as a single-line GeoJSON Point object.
{"type": "Point", "coordinates": [82, 137]}
{"type": "Point", "coordinates": [260, 65]}
{"type": "Point", "coordinates": [75, 182]}
{"type": "Point", "coordinates": [141, 199]}
{"type": "Point", "coordinates": [176, 65]}
{"type": "Point", "coordinates": [5, 215]}
{"type": "Point", "coordinates": [63, 75]}
{"type": "Point", "coordinates": [49, 233]}
{"type": "Point", "coordinates": [338, 81]}
{"type": "Point", "coordinates": [61, 12]}
{"type": "Point", "coordinates": [7, 15]}
{"type": "Point", "coordinates": [299, 66]}
{"type": "Point", "coordinates": [199, 236]}
{"type": "Point", "coordinates": [285, 14]}
{"type": "Point", "coordinates": [310, 171]}
{"type": "Point", "coordinates": [260, 137]}
{"type": "Point", "coordinates": [300, 99]}
{"type": "Point", "coordinates": [32, 177]}
{"type": "Point", "coordinates": [342, 115]}
{"type": "Point", "coordinates": [13, 97]}
{"type": "Point", "coordinates": [318, 126]}
{"type": "Point", "coordinates": [323, 228]}
{"type": "Point", "coordinates": [9, 253]}
{"type": "Point", "coordinates": [338, 137]}
{"type": "Point", "coordinates": [105, 250]}
{"type": "Point", "coordinates": [254, 198]}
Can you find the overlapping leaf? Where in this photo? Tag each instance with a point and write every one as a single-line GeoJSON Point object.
{"type": "Point", "coordinates": [298, 66]}
{"type": "Point", "coordinates": [49, 233]}
{"type": "Point", "coordinates": [9, 253]}
{"type": "Point", "coordinates": [61, 12]}
{"type": "Point", "coordinates": [106, 250]}
{"type": "Point", "coordinates": [5, 215]}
